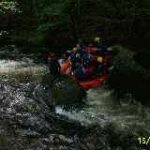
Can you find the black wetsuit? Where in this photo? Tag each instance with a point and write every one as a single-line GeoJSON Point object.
{"type": "Point", "coordinates": [54, 67]}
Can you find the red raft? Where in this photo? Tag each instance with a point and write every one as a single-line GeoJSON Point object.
{"type": "Point", "coordinates": [94, 83]}
{"type": "Point", "coordinates": [88, 84]}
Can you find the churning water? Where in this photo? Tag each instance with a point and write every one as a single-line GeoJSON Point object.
{"type": "Point", "coordinates": [20, 104]}
{"type": "Point", "coordinates": [102, 108]}
{"type": "Point", "coordinates": [26, 64]}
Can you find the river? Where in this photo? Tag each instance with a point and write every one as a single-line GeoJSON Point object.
{"type": "Point", "coordinates": [27, 122]}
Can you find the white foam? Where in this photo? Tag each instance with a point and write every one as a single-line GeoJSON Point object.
{"type": "Point", "coordinates": [103, 110]}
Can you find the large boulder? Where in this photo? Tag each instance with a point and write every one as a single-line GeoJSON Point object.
{"type": "Point", "coordinates": [64, 91]}
{"type": "Point", "coordinates": [128, 76]}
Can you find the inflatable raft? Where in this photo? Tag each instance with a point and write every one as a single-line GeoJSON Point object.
{"type": "Point", "coordinates": [94, 83]}
{"type": "Point", "coordinates": [88, 84]}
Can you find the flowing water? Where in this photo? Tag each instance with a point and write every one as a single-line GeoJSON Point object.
{"type": "Point", "coordinates": [26, 64]}
{"type": "Point", "coordinates": [26, 113]}
{"type": "Point", "coordinates": [102, 108]}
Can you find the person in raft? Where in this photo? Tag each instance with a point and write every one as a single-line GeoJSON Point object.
{"type": "Point", "coordinates": [54, 66]}
{"type": "Point", "coordinates": [101, 45]}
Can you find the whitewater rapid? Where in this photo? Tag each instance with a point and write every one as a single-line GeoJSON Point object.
{"type": "Point", "coordinates": [100, 106]}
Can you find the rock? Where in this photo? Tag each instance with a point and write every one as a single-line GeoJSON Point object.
{"type": "Point", "coordinates": [64, 91]}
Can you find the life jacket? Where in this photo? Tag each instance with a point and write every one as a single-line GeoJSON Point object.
{"type": "Point", "coordinates": [80, 72]}
{"type": "Point", "coordinates": [81, 51]}
{"type": "Point", "coordinates": [73, 58]}
{"type": "Point", "coordinates": [89, 71]}
{"type": "Point", "coordinates": [86, 58]}
{"type": "Point", "coordinates": [65, 66]}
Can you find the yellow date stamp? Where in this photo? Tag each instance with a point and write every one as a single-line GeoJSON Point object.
{"type": "Point", "coordinates": [144, 140]}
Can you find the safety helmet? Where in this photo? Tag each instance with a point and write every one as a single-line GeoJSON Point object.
{"type": "Point", "coordinates": [74, 49]}
{"type": "Point", "coordinates": [77, 55]}
{"type": "Point", "coordinates": [97, 39]}
{"type": "Point", "coordinates": [100, 59]}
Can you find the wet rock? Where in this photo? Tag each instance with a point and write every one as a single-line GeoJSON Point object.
{"type": "Point", "coordinates": [24, 119]}
{"type": "Point", "coordinates": [128, 76]}
{"type": "Point", "coordinates": [64, 91]}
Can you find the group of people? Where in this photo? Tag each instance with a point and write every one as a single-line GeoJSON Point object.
{"type": "Point", "coordinates": [86, 60]}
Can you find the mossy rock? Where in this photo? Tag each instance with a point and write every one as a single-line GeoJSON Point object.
{"type": "Point", "coordinates": [64, 90]}
{"type": "Point", "coordinates": [128, 76]}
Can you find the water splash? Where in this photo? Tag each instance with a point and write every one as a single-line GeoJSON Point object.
{"type": "Point", "coordinates": [101, 108]}
{"type": "Point", "coordinates": [25, 65]}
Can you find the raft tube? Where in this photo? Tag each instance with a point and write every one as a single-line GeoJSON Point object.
{"type": "Point", "coordinates": [94, 83]}
{"type": "Point", "coordinates": [88, 84]}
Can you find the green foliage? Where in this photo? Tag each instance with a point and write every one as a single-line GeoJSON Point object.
{"type": "Point", "coordinates": [126, 8]}
{"type": "Point", "coordinates": [8, 7]}
{"type": "Point", "coordinates": [59, 14]}
{"type": "Point", "coordinates": [28, 38]}
{"type": "Point", "coordinates": [66, 21]}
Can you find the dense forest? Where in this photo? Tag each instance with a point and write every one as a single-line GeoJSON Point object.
{"type": "Point", "coordinates": [48, 22]}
